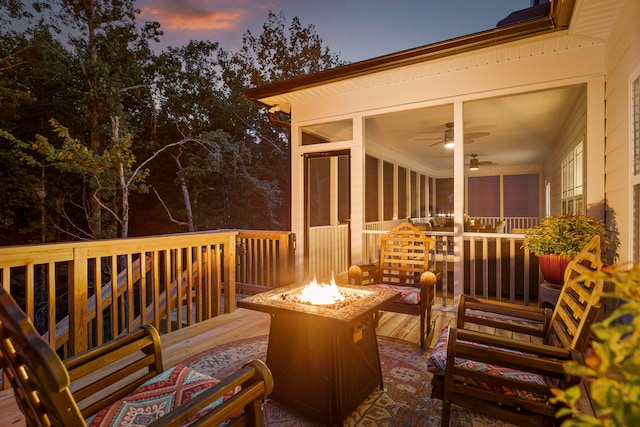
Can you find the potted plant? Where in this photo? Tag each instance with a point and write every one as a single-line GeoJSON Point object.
{"type": "Point", "coordinates": [557, 240]}
{"type": "Point", "coordinates": [611, 368]}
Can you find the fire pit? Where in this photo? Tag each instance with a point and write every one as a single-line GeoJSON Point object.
{"type": "Point", "coordinates": [322, 295]}
{"type": "Point", "coordinates": [324, 357]}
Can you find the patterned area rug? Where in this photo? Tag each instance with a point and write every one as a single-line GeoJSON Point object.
{"type": "Point", "coordinates": [405, 401]}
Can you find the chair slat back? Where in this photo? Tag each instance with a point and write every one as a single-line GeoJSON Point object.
{"type": "Point", "coordinates": [579, 300]}
{"type": "Point", "coordinates": [38, 376]}
{"type": "Point", "coordinates": [404, 255]}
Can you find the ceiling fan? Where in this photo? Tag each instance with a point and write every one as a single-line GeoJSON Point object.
{"type": "Point", "coordinates": [447, 138]}
{"type": "Point", "coordinates": [474, 163]}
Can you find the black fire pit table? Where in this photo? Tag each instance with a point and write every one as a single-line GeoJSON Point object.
{"type": "Point", "coordinates": [324, 358]}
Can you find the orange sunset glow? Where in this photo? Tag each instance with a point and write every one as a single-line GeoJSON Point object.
{"type": "Point", "coordinates": [198, 20]}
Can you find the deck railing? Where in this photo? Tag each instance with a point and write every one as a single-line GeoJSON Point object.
{"type": "Point", "coordinates": [265, 259]}
{"type": "Point", "coordinates": [82, 294]}
{"type": "Point", "coordinates": [493, 266]}
{"type": "Point", "coordinates": [510, 223]}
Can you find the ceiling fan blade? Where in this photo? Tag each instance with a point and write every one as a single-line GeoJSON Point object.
{"type": "Point", "coordinates": [475, 134]}
{"type": "Point", "coordinates": [436, 143]}
{"type": "Point", "coordinates": [486, 163]}
{"type": "Point", "coordinates": [429, 139]}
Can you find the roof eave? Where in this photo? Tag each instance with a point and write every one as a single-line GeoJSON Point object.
{"type": "Point", "coordinates": [488, 38]}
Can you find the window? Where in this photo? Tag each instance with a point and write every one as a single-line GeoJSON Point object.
{"type": "Point", "coordinates": [547, 199]}
{"type": "Point", "coordinates": [371, 189]}
{"type": "Point", "coordinates": [319, 186]}
{"type": "Point", "coordinates": [327, 132]}
{"type": "Point", "coordinates": [415, 200]}
{"type": "Point", "coordinates": [402, 193]}
{"type": "Point", "coordinates": [328, 188]}
{"type": "Point", "coordinates": [387, 191]}
{"type": "Point", "coordinates": [635, 179]}
{"type": "Point", "coordinates": [425, 192]}
{"type": "Point", "coordinates": [484, 196]}
{"type": "Point", "coordinates": [572, 182]}
{"type": "Point", "coordinates": [636, 221]}
{"type": "Point", "coordinates": [635, 122]}
{"type": "Point", "coordinates": [522, 195]}
{"type": "Point", "coordinates": [444, 196]}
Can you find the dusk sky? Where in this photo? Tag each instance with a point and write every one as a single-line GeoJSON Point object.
{"type": "Point", "coordinates": [355, 29]}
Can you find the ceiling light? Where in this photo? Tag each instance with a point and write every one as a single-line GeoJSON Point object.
{"type": "Point", "coordinates": [473, 164]}
{"type": "Point", "coordinates": [448, 136]}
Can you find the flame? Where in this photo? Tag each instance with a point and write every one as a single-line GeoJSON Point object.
{"type": "Point", "coordinates": [321, 294]}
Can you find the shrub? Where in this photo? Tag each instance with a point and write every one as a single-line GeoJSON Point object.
{"type": "Point", "coordinates": [611, 368]}
{"type": "Point", "coordinates": [564, 235]}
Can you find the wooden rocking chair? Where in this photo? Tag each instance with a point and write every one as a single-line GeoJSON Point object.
{"type": "Point", "coordinates": [510, 379]}
{"type": "Point", "coordinates": [120, 381]}
{"type": "Point", "coordinates": [404, 266]}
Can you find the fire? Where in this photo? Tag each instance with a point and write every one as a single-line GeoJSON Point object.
{"type": "Point", "coordinates": [321, 294]}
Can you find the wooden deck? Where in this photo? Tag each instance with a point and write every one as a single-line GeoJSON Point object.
{"type": "Point", "coordinates": [192, 340]}
{"type": "Point", "coordinates": [184, 343]}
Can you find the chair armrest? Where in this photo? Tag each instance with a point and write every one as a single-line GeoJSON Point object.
{"type": "Point", "coordinates": [363, 274]}
{"type": "Point", "coordinates": [256, 383]}
{"type": "Point", "coordinates": [539, 359]}
{"type": "Point", "coordinates": [531, 348]}
{"type": "Point", "coordinates": [431, 276]}
{"type": "Point", "coordinates": [114, 369]}
{"type": "Point", "coordinates": [428, 280]}
{"type": "Point", "coordinates": [500, 315]}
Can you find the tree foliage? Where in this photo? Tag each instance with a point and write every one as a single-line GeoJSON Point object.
{"type": "Point", "coordinates": [93, 119]}
{"type": "Point", "coordinates": [611, 367]}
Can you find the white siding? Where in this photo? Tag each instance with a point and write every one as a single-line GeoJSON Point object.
{"type": "Point", "coordinates": [622, 59]}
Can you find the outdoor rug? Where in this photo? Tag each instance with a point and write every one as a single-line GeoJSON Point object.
{"type": "Point", "coordinates": [405, 401]}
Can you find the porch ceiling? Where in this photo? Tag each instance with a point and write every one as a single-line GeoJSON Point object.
{"type": "Point", "coordinates": [518, 129]}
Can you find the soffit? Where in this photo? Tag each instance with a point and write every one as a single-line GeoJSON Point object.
{"type": "Point", "coordinates": [591, 23]}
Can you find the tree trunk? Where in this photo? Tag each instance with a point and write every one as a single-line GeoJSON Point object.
{"type": "Point", "coordinates": [186, 197]}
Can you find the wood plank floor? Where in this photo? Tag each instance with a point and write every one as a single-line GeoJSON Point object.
{"type": "Point", "coordinates": [184, 343]}
{"type": "Point", "coordinates": [243, 323]}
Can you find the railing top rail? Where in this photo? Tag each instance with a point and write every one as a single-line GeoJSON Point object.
{"type": "Point", "coordinates": [501, 235]}
{"type": "Point", "coordinates": [17, 256]}
{"type": "Point", "coordinates": [14, 256]}
{"type": "Point", "coordinates": [157, 243]}
{"type": "Point", "coordinates": [263, 234]}
{"type": "Point", "coordinates": [322, 227]}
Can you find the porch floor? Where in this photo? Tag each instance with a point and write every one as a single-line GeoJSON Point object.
{"type": "Point", "coordinates": [184, 343]}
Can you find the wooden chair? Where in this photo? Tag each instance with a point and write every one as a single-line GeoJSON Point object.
{"type": "Point", "coordinates": [404, 266]}
{"type": "Point", "coordinates": [105, 383]}
{"type": "Point", "coordinates": [500, 226]}
{"type": "Point", "coordinates": [507, 378]}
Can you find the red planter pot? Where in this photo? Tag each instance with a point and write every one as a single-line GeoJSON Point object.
{"type": "Point", "coordinates": [553, 267]}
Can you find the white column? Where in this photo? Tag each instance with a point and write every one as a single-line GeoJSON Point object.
{"type": "Point", "coordinates": [458, 201]}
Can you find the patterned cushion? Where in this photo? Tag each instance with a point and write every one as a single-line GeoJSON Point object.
{"type": "Point", "coordinates": [408, 294]}
{"type": "Point", "coordinates": [437, 364]}
{"type": "Point", "coordinates": [156, 397]}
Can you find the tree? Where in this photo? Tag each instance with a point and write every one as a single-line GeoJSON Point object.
{"type": "Point", "coordinates": [189, 73]}
{"type": "Point", "coordinates": [272, 56]}
{"type": "Point", "coordinates": [33, 74]}
{"type": "Point", "coordinates": [106, 67]}
{"type": "Point", "coordinates": [177, 120]}
{"type": "Point", "coordinates": [255, 158]}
